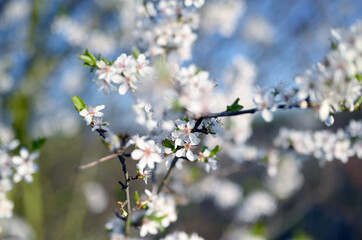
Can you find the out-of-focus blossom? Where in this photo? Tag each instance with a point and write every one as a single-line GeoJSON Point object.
{"type": "Point", "coordinates": [96, 197]}
{"type": "Point", "coordinates": [256, 204]}
{"type": "Point", "coordinates": [182, 236]}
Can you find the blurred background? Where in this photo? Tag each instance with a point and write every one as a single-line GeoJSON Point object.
{"type": "Point", "coordinates": [39, 73]}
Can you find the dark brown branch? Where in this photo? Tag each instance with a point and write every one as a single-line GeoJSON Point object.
{"type": "Point", "coordinates": [235, 113]}
{"type": "Point", "coordinates": [168, 174]}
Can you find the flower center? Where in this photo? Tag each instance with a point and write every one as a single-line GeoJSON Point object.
{"type": "Point", "coordinates": [147, 151]}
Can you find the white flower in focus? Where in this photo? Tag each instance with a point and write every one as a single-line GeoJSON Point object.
{"type": "Point", "coordinates": [91, 112]}
{"type": "Point", "coordinates": [186, 151]}
{"type": "Point", "coordinates": [124, 63]}
{"type": "Point", "coordinates": [147, 153]}
{"type": "Point", "coordinates": [184, 133]}
{"type": "Point", "coordinates": [144, 174]}
{"type": "Point", "coordinates": [104, 71]}
{"type": "Point", "coordinates": [99, 124]}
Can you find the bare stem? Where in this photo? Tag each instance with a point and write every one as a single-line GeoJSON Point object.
{"type": "Point", "coordinates": [235, 113]}
{"type": "Point", "coordinates": [94, 163]}
{"type": "Point", "coordinates": [128, 200]}
{"type": "Point", "coordinates": [168, 174]}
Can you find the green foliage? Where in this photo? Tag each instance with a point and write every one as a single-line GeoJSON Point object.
{"type": "Point", "coordinates": [198, 70]}
{"type": "Point", "coordinates": [167, 143]}
{"type": "Point", "coordinates": [136, 197]}
{"type": "Point", "coordinates": [359, 77]}
{"type": "Point", "coordinates": [136, 52]}
{"type": "Point", "coordinates": [78, 103]}
{"type": "Point", "coordinates": [215, 151]}
{"type": "Point", "coordinates": [38, 143]}
{"type": "Point", "coordinates": [259, 229]}
{"type": "Point", "coordinates": [89, 60]}
{"type": "Point", "coordinates": [334, 45]}
{"type": "Point", "coordinates": [301, 235]}
{"type": "Point", "coordinates": [235, 106]}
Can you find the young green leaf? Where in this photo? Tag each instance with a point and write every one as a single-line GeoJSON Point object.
{"type": "Point", "coordinates": [235, 106]}
{"type": "Point", "coordinates": [215, 151]}
{"type": "Point", "coordinates": [136, 197]}
{"type": "Point", "coordinates": [38, 143]}
{"type": "Point", "coordinates": [78, 103]}
{"type": "Point", "coordinates": [167, 143]}
{"type": "Point", "coordinates": [136, 52]}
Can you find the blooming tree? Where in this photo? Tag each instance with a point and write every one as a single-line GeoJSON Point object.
{"type": "Point", "coordinates": [183, 117]}
{"type": "Point", "coordinates": [175, 108]}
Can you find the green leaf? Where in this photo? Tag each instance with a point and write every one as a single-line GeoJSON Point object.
{"type": "Point", "coordinates": [85, 59]}
{"type": "Point", "coordinates": [167, 143]}
{"type": "Point", "coordinates": [105, 60]}
{"type": "Point", "coordinates": [136, 197]}
{"type": "Point", "coordinates": [87, 53]}
{"type": "Point", "coordinates": [258, 229]}
{"type": "Point", "coordinates": [359, 77]}
{"type": "Point", "coordinates": [198, 70]}
{"type": "Point", "coordinates": [235, 106]}
{"type": "Point", "coordinates": [215, 151]}
{"type": "Point", "coordinates": [334, 45]}
{"type": "Point", "coordinates": [38, 143]}
{"type": "Point", "coordinates": [301, 235]}
{"type": "Point", "coordinates": [78, 103]}
{"type": "Point", "coordinates": [136, 52]}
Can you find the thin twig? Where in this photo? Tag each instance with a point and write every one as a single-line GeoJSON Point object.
{"type": "Point", "coordinates": [168, 174]}
{"type": "Point", "coordinates": [94, 163]}
{"type": "Point", "coordinates": [235, 113]}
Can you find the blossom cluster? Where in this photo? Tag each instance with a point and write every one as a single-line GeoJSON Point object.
{"type": "Point", "coordinates": [167, 28]}
{"type": "Point", "coordinates": [195, 91]}
{"type": "Point", "coordinates": [324, 145]}
{"type": "Point", "coordinates": [176, 118]}
{"type": "Point", "coordinates": [335, 84]}
{"type": "Point", "coordinates": [160, 212]}
{"type": "Point", "coordinates": [126, 72]}
{"type": "Point", "coordinates": [182, 236]}
{"type": "Point", "coordinates": [14, 168]}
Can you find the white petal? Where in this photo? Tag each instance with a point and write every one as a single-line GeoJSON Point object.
{"type": "Point", "coordinates": [142, 164]}
{"type": "Point", "coordinates": [24, 153]}
{"type": "Point", "coordinates": [13, 144]}
{"type": "Point", "coordinates": [180, 153]}
{"type": "Point", "coordinates": [123, 88]}
{"type": "Point", "coordinates": [137, 154]}
{"type": "Point", "coordinates": [329, 121]}
{"type": "Point", "coordinates": [194, 140]}
{"type": "Point", "coordinates": [17, 160]}
{"type": "Point", "coordinates": [156, 157]}
{"type": "Point", "coordinates": [324, 111]}
{"type": "Point", "coordinates": [267, 115]}
{"type": "Point", "coordinates": [190, 156]}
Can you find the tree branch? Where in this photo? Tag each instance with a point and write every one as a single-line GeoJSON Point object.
{"type": "Point", "coordinates": [235, 113]}
{"type": "Point", "coordinates": [167, 176]}
{"type": "Point", "coordinates": [94, 163]}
